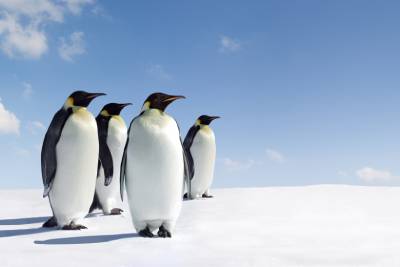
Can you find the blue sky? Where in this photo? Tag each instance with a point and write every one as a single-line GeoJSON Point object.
{"type": "Point", "coordinates": [308, 91]}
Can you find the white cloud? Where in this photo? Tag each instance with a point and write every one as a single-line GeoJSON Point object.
{"type": "Point", "coordinates": [22, 24]}
{"type": "Point", "coordinates": [228, 44]}
{"type": "Point", "coordinates": [371, 175]}
{"type": "Point", "coordinates": [158, 71]}
{"type": "Point", "coordinates": [73, 47]}
{"type": "Point", "coordinates": [9, 123]}
{"type": "Point", "coordinates": [275, 155]}
{"type": "Point", "coordinates": [35, 9]}
{"type": "Point", "coordinates": [35, 126]}
{"type": "Point", "coordinates": [235, 165]}
{"type": "Point", "coordinates": [17, 40]}
{"type": "Point", "coordinates": [28, 91]}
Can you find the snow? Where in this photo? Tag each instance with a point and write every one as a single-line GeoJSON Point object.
{"type": "Point", "coordinates": [328, 225]}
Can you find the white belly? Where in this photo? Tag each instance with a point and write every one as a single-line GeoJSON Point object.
{"type": "Point", "coordinates": [154, 176]}
{"type": "Point", "coordinates": [77, 156]}
{"type": "Point", "coordinates": [109, 196]}
{"type": "Point", "coordinates": [203, 151]}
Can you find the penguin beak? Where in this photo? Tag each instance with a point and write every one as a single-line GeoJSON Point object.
{"type": "Point", "coordinates": [172, 98]}
{"type": "Point", "coordinates": [92, 96]}
{"type": "Point", "coordinates": [125, 105]}
{"type": "Point", "coordinates": [214, 118]}
{"type": "Point", "coordinates": [122, 106]}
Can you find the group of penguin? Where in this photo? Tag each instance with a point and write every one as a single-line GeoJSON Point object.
{"type": "Point", "coordinates": [88, 162]}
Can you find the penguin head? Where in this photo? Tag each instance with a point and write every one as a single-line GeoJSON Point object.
{"type": "Point", "coordinates": [160, 101]}
{"type": "Point", "coordinates": [206, 120]}
{"type": "Point", "coordinates": [113, 109]}
{"type": "Point", "coordinates": [81, 99]}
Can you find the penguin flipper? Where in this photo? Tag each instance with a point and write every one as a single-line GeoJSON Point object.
{"type": "Point", "coordinates": [187, 143]}
{"type": "Point", "coordinates": [105, 156]}
{"type": "Point", "coordinates": [123, 162]}
{"type": "Point", "coordinates": [123, 172]}
{"type": "Point", "coordinates": [48, 153]}
{"type": "Point", "coordinates": [95, 204]}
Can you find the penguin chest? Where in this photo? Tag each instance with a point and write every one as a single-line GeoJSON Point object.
{"type": "Point", "coordinates": [77, 156]}
{"type": "Point", "coordinates": [203, 151]}
{"type": "Point", "coordinates": [154, 168]}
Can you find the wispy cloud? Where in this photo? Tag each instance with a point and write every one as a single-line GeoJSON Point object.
{"type": "Point", "coordinates": [35, 127]}
{"type": "Point", "coordinates": [74, 46]}
{"type": "Point", "coordinates": [76, 6]}
{"type": "Point", "coordinates": [275, 155]}
{"type": "Point", "coordinates": [9, 123]}
{"type": "Point", "coordinates": [100, 11]}
{"type": "Point", "coordinates": [28, 91]}
{"type": "Point", "coordinates": [22, 152]}
{"type": "Point", "coordinates": [228, 44]}
{"type": "Point", "coordinates": [371, 175]}
{"type": "Point", "coordinates": [237, 165]}
{"type": "Point", "coordinates": [22, 24]}
{"type": "Point", "coordinates": [158, 71]}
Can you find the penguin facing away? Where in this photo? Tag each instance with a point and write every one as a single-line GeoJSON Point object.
{"type": "Point", "coordinates": [112, 137]}
{"type": "Point", "coordinates": [200, 150]}
{"type": "Point", "coordinates": [153, 168]}
{"type": "Point", "coordinates": [69, 160]}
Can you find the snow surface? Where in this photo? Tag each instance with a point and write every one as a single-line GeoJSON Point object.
{"type": "Point", "coordinates": [280, 226]}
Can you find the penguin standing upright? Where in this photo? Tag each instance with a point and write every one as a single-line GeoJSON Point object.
{"type": "Point", "coordinates": [70, 154]}
{"type": "Point", "coordinates": [200, 150]}
{"type": "Point", "coordinates": [153, 166]}
{"type": "Point", "coordinates": [112, 135]}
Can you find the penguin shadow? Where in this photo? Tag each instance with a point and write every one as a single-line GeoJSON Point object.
{"type": "Point", "coordinates": [25, 231]}
{"type": "Point", "coordinates": [21, 221]}
{"type": "Point", "coordinates": [19, 232]}
{"type": "Point", "coordinates": [77, 240]}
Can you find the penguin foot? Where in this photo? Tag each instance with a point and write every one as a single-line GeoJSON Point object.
{"type": "Point", "coordinates": [185, 196]}
{"type": "Point", "coordinates": [146, 233]}
{"type": "Point", "coordinates": [116, 211]}
{"type": "Point", "coordinates": [207, 196]}
{"type": "Point", "coordinates": [52, 222]}
{"type": "Point", "coordinates": [73, 226]}
{"type": "Point", "coordinates": [164, 233]}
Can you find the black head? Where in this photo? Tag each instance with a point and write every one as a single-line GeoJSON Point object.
{"type": "Point", "coordinates": [206, 120]}
{"type": "Point", "coordinates": [81, 98]}
{"type": "Point", "coordinates": [113, 109]}
{"type": "Point", "coordinates": [160, 101]}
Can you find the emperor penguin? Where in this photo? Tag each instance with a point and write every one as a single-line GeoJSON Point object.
{"type": "Point", "coordinates": [69, 157]}
{"type": "Point", "coordinates": [112, 135]}
{"type": "Point", "coordinates": [200, 150]}
{"type": "Point", "coordinates": [153, 168]}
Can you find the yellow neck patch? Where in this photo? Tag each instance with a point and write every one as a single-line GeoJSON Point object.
{"type": "Point", "coordinates": [205, 128]}
{"type": "Point", "coordinates": [146, 106]}
{"type": "Point", "coordinates": [118, 118]}
{"type": "Point", "coordinates": [105, 113]}
{"type": "Point", "coordinates": [69, 103]}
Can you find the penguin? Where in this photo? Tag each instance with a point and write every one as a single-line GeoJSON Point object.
{"type": "Point", "coordinates": [153, 168]}
{"type": "Point", "coordinates": [69, 160]}
{"type": "Point", "coordinates": [112, 135]}
{"type": "Point", "coordinates": [200, 148]}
